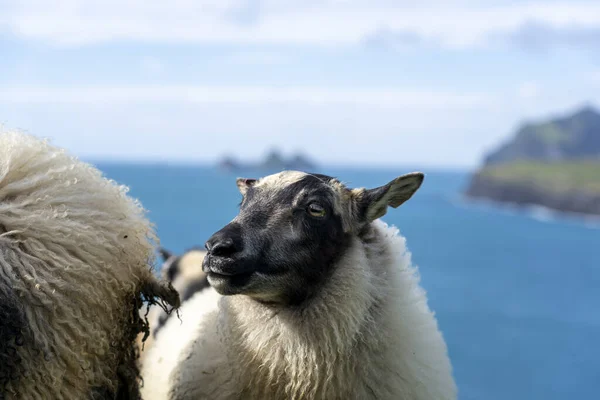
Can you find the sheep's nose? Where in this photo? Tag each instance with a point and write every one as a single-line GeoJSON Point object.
{"type": "Point", "coordinates": [223, 243]}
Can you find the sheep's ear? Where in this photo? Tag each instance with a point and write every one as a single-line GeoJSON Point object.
{"type": "Point", "coordinates": [244, 183]}
{"type": "Point", "coordinates": [165, 254]}
{"type": "Point", "coordinates": [374, 202]}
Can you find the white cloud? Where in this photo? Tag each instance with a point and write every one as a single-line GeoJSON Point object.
{"type": "Point", "coordinates": [528, 90]}
{"type": "Point", "coordinates": [316, 22]}
{"type": "Point", "coordinates": [388, 98]}
{"type": "Point", "coordinates": [375, 126]}
{"type": "Point", "coordinates": [151, 65]}
{"type": "Point", "coordinates": [539, 36]}
{"type": "Point", "coordinates": [255, 58]}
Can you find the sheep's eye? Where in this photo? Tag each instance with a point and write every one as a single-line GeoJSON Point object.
{"type": "Point", "coordinates": [316, 210]}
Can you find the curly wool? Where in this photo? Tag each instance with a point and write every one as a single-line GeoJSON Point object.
{"type": "Point", "coordinates": [368, 334]}
{"type": "Point", "coordinates": [76, 255]}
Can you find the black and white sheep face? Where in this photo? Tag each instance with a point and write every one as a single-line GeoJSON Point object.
{"type": "Point", "coordinates": [291, 229]}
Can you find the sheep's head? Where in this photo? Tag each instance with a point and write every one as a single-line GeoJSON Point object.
{"type": "Point", "coordinates": [291, 229]}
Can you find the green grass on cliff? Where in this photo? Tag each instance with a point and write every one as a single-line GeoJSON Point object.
{"type": "Point", "coordinates": [581, 176]}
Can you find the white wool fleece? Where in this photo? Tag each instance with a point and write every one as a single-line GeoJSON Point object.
{"type": "Point", "coordinates": [75, 257]}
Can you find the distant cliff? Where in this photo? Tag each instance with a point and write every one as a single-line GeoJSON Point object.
{"type": "Point", "coordinates": [555, 164]}
{"type": "Point", "coordinates": [574, 137]}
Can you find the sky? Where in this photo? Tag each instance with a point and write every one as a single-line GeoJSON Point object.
{"type": "Point", "coordinates": [350, 82]}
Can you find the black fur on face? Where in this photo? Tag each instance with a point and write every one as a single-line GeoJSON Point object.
{"type": "Point", "coordinates": [283, 243]}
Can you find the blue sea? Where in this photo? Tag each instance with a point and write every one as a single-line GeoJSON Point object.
{"type": "Point", "coordinates": [516, 293]}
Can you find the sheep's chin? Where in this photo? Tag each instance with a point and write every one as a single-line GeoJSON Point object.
{"type": "Point", "coordinates": [227, 285]}
{"type": "Point", "coordinates": [257, 286]}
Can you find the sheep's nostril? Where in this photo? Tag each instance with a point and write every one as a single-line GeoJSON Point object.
{"type": "Point", "coordinates": [222, 248]}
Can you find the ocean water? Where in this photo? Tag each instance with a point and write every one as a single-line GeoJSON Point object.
{"type": "Point", "coordinates": [516, 294]}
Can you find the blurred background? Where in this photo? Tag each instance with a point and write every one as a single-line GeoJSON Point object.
{"type": "Point", "coordinates": [496, 101]}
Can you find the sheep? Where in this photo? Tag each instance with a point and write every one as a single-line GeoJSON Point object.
{"type": "Point", "coordinates": [76, 259]}
{"type": "Point", "coordinates": [187, 278]}
{"type": "Point", "coordinates": [315, 298]}
{"type": "Point", "coordinates": [185, 271]}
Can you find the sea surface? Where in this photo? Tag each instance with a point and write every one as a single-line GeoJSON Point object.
{"type": "Point", "coordinates": [516, 292]}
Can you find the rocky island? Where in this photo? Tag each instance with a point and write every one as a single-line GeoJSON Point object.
{"type": "Point", "coordinates": [273, 162]}
{"type": "Point", "coordinates": [555, 164]}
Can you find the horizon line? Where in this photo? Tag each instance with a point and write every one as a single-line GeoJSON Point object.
{"type": "Point", "coordinates": [317, 165]}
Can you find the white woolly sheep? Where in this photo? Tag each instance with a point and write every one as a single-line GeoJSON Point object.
{"type": "Point", "coordinates": [75, 267]}
{"type": "Point", "coordinates": [185, 274]}
{"type": "Point", "coordinates": [315, 299]}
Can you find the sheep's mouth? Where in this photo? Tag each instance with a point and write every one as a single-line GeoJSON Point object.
{"type": "Point", "coordinates": [225, 275]}
{"type": "Point", "coordinates": [229, 284]}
